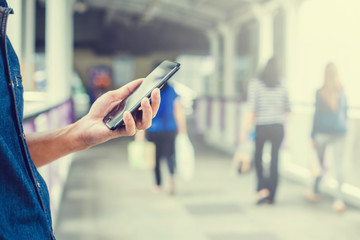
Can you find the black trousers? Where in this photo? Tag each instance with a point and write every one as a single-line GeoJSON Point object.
{"type": "Point", "coordinates": [165, 148]}
{"type": "Point", "coordinates": [274, 134]}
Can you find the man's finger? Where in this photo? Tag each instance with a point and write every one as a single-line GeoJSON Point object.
{"type": "Point", "coordinates": [155, 101]}
{"type": "Point", "coordinates": [146, 117]}
{"type": "Point", "coordinates": [126, 90]}
{"type": "Point", "coordinates": [130, 127]}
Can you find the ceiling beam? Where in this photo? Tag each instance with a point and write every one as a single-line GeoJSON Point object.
{"type": "Point", "coordinates": [110, 16]}
{"type": "Point", "coordinates": [169, 13]}
{"type": "Point", "coordinates": [254, 10]}
{"type": "Point", "coordinates": [203, 10]}
{"type": "Point", "coordinates": [151, 11]}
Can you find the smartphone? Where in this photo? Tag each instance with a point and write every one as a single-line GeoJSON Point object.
{"type": "Point", "coordinates": [157, 78]}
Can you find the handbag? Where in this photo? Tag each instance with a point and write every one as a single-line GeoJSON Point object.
{"type": "Point", "coordinates": [184, 156]}
{"type": "Point", "coordinates": [242, 157]}
{"type": "Point", "coordinates": [141, 154]}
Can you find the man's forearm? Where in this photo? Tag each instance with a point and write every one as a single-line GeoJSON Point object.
{"type": "Point", "coordinates": [45, 147]}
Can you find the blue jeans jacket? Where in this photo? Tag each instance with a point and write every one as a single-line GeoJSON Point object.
{"type": "Point", "coordinates": [24, 198]}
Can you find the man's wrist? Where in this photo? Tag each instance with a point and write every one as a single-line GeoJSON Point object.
{"type": "Point", "coordinates": [74, 138]}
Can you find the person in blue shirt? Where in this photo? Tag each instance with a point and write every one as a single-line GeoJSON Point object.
{"type": "Point", "coordinates": [24, 198]}
{"type": "Point", "coordinates": [169, 121]}
{"type": "Point", "coordinates": [329, 129]}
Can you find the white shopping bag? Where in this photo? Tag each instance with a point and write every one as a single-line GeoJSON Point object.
{"type": "Point", "coordinates": [185, 156]}
{"type": "Point", "coordinates": [242, 157]}
{"type": "Point", "coordinates": [141, 154]}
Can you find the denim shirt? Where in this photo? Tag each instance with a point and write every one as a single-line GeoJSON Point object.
{"type": "Point", "coordinates": [24, 198]}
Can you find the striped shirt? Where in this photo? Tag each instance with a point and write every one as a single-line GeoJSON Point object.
{"type": "Point", "coordinates": [268, 103]}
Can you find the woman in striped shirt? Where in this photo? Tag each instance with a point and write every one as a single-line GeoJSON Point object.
{"type": "Point", "coordinates": [268, 104]}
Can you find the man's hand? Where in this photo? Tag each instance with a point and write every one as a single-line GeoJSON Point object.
{"type": "Point", "coordinates": [90, 130]}
{"type": "Point", "coordinates": [93, 131]}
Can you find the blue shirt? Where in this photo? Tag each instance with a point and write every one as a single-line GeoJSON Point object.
{"type": "Point", "coordinates": [24, 198]}
{"type": "Point", "coordinates": [327, 121]}
{"type": "Point", "coordinates": [164, 120]}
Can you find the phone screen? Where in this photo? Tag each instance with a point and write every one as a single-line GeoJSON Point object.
{"type": "Point", "coordinates": [156, 78]}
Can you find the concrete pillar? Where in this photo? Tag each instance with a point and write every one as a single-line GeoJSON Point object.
{"type": "Point", "coordinates": [214, 52]}
{"type": "Point", "coordinates": [266, 37]}
{"type": "Point", "coordinates": [29, 44]}
{"type": "Point", "coordinates": [14, 28]}
{"type": "Point", "coordinates": [57, 45]}
{"type": "Point", "coordinates": [213, 130]}
{"type": "Point", "coordinates": [291, 27]}
{"type": "Point", "coordinates": [229, 33]}
{"type": "Point", "coordinates": [70, 39]}
{"type": "Point", "coordinates": [229, 36]}
{"type": "Point", "coordinates": [214, 134]}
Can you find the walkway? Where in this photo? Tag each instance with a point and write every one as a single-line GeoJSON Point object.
{"type": "Point", "coordinates": [106, 200]}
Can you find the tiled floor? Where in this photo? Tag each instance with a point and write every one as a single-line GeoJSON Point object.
{"type": "Point", "coordinates": [104, 199]}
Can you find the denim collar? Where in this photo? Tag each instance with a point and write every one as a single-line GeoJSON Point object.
{"type": "Point", "coordinates": [3, 3]}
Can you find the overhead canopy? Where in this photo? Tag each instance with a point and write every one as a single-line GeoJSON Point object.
{"type": "Point", "coordinates": [201, 14]}
{"type": "Point", "coordinates": [140, 26]}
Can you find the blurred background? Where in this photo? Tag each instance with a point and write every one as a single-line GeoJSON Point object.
{"type": "Point", "coordinates": [72, 51]}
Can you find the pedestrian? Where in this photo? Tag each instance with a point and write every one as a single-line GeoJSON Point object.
{"type": "Point", "coordinates": [169, 121]}
{"type": "Point", "coordinates": [268, 104]}
{"type": "Point", "coordinates": [329, 129]}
